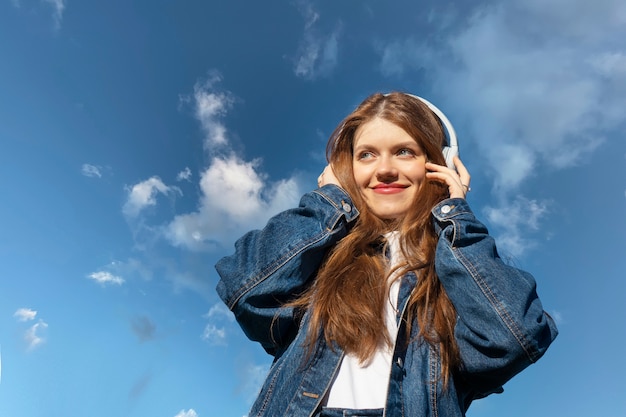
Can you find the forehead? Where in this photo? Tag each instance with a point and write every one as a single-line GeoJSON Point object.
{"type": "Point", "coordinates": [379, 131]}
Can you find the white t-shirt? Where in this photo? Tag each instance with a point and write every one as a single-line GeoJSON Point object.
{"type": "Point", "coordinates": [360, 386]}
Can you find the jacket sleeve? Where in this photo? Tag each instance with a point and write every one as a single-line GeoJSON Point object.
{"type": "Point", "coordinates": [501, 325]}
{"type": "Point", "coordinates": [272, 266]}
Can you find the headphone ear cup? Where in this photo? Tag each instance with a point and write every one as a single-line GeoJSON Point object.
{"type": "Point", "coordinates": [449, 153]}
{"type": "Point", "coordinates": [451, 149]}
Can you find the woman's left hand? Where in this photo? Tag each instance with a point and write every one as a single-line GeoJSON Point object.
{"type": "Point", "coordinates": [458, 181]}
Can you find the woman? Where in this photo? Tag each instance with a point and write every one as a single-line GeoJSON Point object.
{"type": "Point", "coordinates": [382, 294]}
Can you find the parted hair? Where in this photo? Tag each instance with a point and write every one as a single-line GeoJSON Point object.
{"type": "Point", "coordinates": [347, 298]}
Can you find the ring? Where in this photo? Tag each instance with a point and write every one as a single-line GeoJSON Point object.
{"type": "Point", "coordinates": [467, 187]}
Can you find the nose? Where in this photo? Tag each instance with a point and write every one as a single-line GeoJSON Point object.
{"type": "Point", "coordinates": [386, 170]}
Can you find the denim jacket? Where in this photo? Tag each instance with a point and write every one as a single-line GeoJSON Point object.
{"type": "Point", "coordinates": [501, 326]}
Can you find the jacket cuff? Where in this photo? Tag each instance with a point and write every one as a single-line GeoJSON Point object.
{"type": "Point", "coordinates": [451, 208]}
{"type": "Point", "coordinates": [340, 199]}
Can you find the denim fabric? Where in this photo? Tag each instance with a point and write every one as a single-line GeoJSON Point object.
{"type": "Point", "coordinates": [501, 325]}
{"type": "Point", "coordinates": [344, 412]}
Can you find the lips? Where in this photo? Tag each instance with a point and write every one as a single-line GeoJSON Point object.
{"type": "Point", "coordinates": [389, 188]}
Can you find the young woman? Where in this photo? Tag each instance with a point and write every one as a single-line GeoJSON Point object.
{"type": "Point", "coordinates": [382, 294]}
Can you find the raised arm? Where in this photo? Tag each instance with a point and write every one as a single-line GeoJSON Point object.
{"type": "Point", "coordinates": [273, 265]}
{"type": "Point", "coordinates": [501, 325]}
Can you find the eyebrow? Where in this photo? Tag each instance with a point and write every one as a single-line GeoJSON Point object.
{"type": "Point", "coordinates": [406, 144]}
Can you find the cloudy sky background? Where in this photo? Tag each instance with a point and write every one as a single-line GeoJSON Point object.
{"type": "Point", "coordinates": [139, 139]}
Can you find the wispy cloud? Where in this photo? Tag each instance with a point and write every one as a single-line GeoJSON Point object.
{"type": "Point", "coordinates": [33, 336]}
{"type": "Point", "coordinates": [235, 195]}
{"type": "Point", "coordinates": [517, 220]}
{"type": "Point", "coordinates": [317, 53]}
{"type": "Point", "coordinates": [210, 106]}
{"type": "Point", "coordinates": [92, 171]}
{"type": "Point", "coordinates": [187, 413]}
{"type": "Point", "coordinates": [527, 100]}
{"type": "Point", "coordinates": [58, 6]}
{"type": "Point", "coordinates": [144, 193]}
{"type": "Point", "coordinates": [25, 314]}
{"type": "Point", "coordinates": [130, 267]}
{"type": "Point", "coordinates": [214, 335]}
{"type": "Point", "coordinates": [530, 97]}
{"type": "Point", "coordinates": [105, 277]}
{"type": "Point", "coordinates": [184, 175]}
{"type": "Point", "coordinates": [220, 310]}
{"type": "Point", "coordinates": [215, 332]}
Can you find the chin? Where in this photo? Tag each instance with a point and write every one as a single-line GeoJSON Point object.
{"type": "Point", "coordinates": [389, 216]}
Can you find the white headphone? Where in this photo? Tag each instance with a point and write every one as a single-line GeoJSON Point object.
{"type": "Point", "coordinates": [451, 149]}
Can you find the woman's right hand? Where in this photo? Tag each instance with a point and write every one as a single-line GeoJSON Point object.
{"type": "Point", "coordinates": [327, 177]}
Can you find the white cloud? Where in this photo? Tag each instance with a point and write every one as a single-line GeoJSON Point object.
{"type": "Point", "coordinates": [184, 175]}
{"type": "Point", "coordinates": [92, 171]}
{"type": "Point", "coordinates": [104, 277]}
{"type": "Point", "coordinates": [311, 16]}
{"type": "Point", "coordinates": [214, 335]}
{"type": "Point", "coordinates": [58, 6]}
{"type": "Point", "coordinates": [235, 196]}
{"type": "Point", "coordinates": [215, 332]}
{"type": "Point", "coordinates": [517, 220]}
{"type": "Point", "coordinates": [318, 51]}
{"type": "Point", "coordinates": [535, 95]}
{"type": "Point", "coordinates": [25, 314]}
{"type": "Point", "coordinates": [210, 106]}
{"type": "Point", "coordinates": [220, 310]}
{"type": "Point", "coordinates": [187, 413]}
{"type": "Point", "coordinates": [143, 194]}
{"type": "Point", "coordinates": [33, 335]}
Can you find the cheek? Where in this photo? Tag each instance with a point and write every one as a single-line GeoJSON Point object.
{"type": "Point", "coordinates": [418, 172]}
{"type": "Point", "coordinates": [360, 175]}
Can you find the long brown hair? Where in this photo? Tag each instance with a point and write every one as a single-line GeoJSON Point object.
{"type": "Point", "coordinates": [347, 299]}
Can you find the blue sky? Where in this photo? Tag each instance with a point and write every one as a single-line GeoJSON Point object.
{"type": "Point", "coordinates": [139, 139]}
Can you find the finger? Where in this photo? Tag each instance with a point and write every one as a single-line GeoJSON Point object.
{"type": "Point", "coordinates": [463, 173]}
{"type": "Point", "coordinates": [327, 177]}
{"type": "Point", "coordinates": [450, 178]}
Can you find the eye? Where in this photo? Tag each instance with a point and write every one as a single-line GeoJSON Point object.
{"type": "Point", "coordinates": [406, 152]}
{"type": "Point", "coordinates": [365, 155]}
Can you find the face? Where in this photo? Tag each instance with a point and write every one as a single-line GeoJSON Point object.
{"type": "Point", "coordinates": [388, 167]}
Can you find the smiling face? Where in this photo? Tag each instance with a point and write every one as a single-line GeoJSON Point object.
{"type": "Point", "coordinates": [388, 167]}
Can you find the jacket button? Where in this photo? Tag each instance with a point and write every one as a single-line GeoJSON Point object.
{"type": "Point", "coordinates": [446, 209]}
{"type": "Point", "coordinates": [346, 207]}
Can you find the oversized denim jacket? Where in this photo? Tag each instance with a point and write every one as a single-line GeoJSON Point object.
{"type": "Point", "coordinates": [501, 325]}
